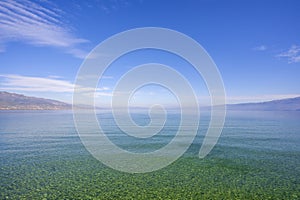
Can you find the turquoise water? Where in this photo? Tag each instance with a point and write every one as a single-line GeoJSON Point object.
{"type": "Point", "coordinates": [256, 157]}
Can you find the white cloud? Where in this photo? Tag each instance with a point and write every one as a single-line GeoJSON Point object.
{"type": "Point", "coordinates": [103, 94]}
{"type": "Point", "coordinates": [35, 84]}
{"type": "Point", "coordinates": [113, 5]}
{"type": "Point", "coordinates": [95, 76]}
{"type": "Point", "coordinates": [12, 82]}
{"type": "Point", "coordinates": [38, 25]}
{"type": "Point", "coordinates": [260, 48]}
{"type": "Point", "coordinates": [293, 54]}
{"type": "Point", "coordinates": [78, 53]}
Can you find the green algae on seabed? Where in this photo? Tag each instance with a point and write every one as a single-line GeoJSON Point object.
{"type": "Point", "coordinates": [215, 177]}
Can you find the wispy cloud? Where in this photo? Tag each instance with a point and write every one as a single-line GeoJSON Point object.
{"type": "Point", "coordinates": [112, 5]}
{"type": "Point", "coordinates": [260, 48]}
{"type": "Point", "coordinates": [293, 54]}
{"type": "Point", "coordinates": [107, 6]}
{"type": "Point", "coordinates": [12, 82]}
{"type": "Point", "coordinates": [35, 84]}
{"type": "Point", "coordinates": [38, 25]}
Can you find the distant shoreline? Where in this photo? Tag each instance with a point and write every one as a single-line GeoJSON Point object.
{"type": "Point", "coordinates": [13, 101]}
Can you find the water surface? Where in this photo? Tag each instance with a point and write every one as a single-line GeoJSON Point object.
{"type": "Point", "coordinates": [256, 157]}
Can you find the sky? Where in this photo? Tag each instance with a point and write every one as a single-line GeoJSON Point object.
{"type": "Point", "coordinates": [254, 43]}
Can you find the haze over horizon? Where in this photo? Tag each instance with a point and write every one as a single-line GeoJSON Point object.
{"type": "Point", "coordinates": [256, 49]}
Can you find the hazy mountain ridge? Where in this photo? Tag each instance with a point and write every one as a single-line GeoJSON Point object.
{"type": "Point", "coordinates": [13, 101]}
{"type": "Point", "coordinates": [290, 104]}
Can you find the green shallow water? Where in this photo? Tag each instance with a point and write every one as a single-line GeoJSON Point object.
{"type": "Point", "coordinates": [257, 157]}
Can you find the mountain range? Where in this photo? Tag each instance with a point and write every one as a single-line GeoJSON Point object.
{"type": "Point", "coordinates": [290, 104]}
{"type": "Point", "coordinates": [13, 101]}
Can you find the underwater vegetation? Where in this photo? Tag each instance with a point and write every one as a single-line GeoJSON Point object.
{"type": "Point", "coordinates": [81, 176]}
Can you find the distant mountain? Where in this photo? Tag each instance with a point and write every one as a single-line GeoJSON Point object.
{"type": "Point", "coordinates": [12, 101]}
{"type": "Point", "coordinates": [291, 104]}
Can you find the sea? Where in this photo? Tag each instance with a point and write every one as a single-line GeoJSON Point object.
{"type": "Point", "coordinates": [256, 157]}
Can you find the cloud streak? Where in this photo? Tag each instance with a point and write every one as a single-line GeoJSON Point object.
{"type": "Point", "coordinates": [260, 48]}
{"type": "Point", "coordinates": [34, 84]}
{"type": "Point", "coordinates": [38, 25]}
{"type": "Point", "coordinates": [12, 82]}
{"type": "Point", "coordinates": [293, 54]}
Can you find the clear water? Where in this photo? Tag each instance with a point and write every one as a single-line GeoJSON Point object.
{"type": "Point", "coordinates": [256, 157]}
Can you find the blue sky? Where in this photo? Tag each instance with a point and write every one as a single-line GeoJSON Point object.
{"type": "Point", "coordinates": [255, 44]}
